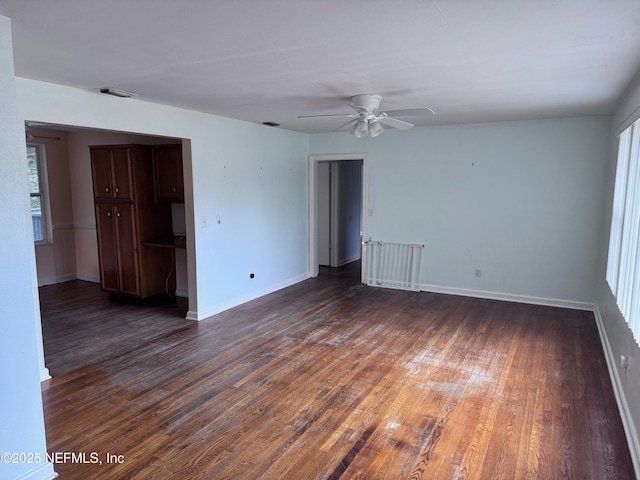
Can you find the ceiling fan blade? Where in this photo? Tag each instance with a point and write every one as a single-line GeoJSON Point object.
{"type": "Point", "coordinates": [411, 112]}
{"type": "Point", "coordinates": [330, 115]}
{"type": "Point", "coordinates": [394, 122]}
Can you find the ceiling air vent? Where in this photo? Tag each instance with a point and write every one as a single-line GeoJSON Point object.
{"type": "Point", "coordinates": [117, 92]}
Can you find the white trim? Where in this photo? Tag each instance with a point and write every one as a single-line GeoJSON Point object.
{"type": "Point", "coordinates": [313, 175]}
{"type": "Point", "coordinates": [88, 278]}
{"type": "Point", "coordinates": [508, 297]}
{"type": "Point", "coordinates": [349, 260]}
{"type": "Point", "coordinates": [42, 282]}
{"type": "Point", "coordinates": [87, 226]}
{"type": "Point", "coordinates": [627, 421]}
{"type": "Point", "coordinates": [45, 472]}
{"type": "Point", "coordinates": [627, 122]}
{"type": "Point", "coordinates": [44, 374]}
{"type": "Point", "coordinates": [43, 181]}
{"type": "Point", "coordinates": [240, 299]}
{"type": "Point", "coordinates": [63, 226]}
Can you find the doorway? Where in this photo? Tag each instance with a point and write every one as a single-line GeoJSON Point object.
{"type": "Point", "coordinates": [69, 251]}
{"type": "Point", "coordinates": [337, 188]}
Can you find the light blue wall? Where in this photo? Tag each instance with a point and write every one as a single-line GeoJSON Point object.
{"type": "Point", "coordinates": [253, 177]}
{"type": "Point", "coordinates": [617, 337]}
{"type": "Point", "coordinates": [521, 201]}
{"type": "Point", "coordinates": [21, 417]}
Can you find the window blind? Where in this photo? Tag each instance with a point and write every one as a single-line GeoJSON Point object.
{"type": "Point", "coordinates": [623, 263]}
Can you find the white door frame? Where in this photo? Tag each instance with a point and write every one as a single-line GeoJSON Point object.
{"type": "Point", "coordinates": [313, 200]}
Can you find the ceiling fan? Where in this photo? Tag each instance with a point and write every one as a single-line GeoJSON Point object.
{"type": "Point", "coordinates": [367, 119]}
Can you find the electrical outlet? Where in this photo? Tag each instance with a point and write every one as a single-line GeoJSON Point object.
{"type": "Point", "coordinates": [478, 273]}
{"type": "Point", "coordinates": [203, 221]}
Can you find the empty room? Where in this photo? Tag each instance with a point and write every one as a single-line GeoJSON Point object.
{"type": "Point", "coordinates": [320, 240]}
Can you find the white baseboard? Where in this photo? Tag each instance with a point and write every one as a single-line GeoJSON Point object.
{"type": "Point", "coordinates": [182, 293]}
{"type": "Point", "coordinates": [349, 260]}
{"type": "Point", "coordinates": [508, 297]}
{"type": "Point", "coordinates": [88, 278]}
{"type": "Point", "coordinates": [44, 374]}
{"type": "Point", "coordinates": [53, 280]}
{"type": "Point", "coordinates": [623, 406]}
{"type": "Point", "coordinates": [45, 472]}
{"type": "Point", "coordinates": [67, 278]}
{"type": "Point", "coordinates": [239, 300]}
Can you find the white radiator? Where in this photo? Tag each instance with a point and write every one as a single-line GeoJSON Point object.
{"type": "Point", "coordinates": [393, 265]}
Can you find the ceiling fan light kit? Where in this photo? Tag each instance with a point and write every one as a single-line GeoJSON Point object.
{"type": "Point", "coordinates": [360, 128]}
{"type": "Point", "coordinates": [374, 128]}
{"type": "Point", "coordinates": [367, 121]}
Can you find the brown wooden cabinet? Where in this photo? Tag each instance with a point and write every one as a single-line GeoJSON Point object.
{"type": "Point", "coordinates": [108, 254]}
{"type": "Point", "coordinates": [167, 174]}
{"type": "Point", "coordinates": [112, 174]}
{"type": "Point", "coordinates": [126, 216]}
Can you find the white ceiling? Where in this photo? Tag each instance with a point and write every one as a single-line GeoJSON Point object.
{"type": "Point", "coordinates": [272, 60]}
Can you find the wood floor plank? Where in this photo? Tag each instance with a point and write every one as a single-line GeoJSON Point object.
{"type": "Point", "coordinates": [329, 379]}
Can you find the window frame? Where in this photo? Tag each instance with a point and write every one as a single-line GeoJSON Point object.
{"type": "Point", "coordinates": [623, 258]}
{"type": "Point", "coordinates": [43, 193]}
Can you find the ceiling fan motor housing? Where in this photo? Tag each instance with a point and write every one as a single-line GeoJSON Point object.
{"type": "Point", "coordinates": [368, 101]}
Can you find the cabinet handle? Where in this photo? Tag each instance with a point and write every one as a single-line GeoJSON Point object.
{"type": "Point", "coordinates": [106, 189]}
{"type": "Point", "coordinates": [108, 214]}
{"type": "Point", "coordinates": [118, 214]}
{"type": "Point", "coordinates": [117, 189]}
{"type": "Point", "coordinates": [175, 189]}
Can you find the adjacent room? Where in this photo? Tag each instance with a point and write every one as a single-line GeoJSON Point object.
{"type": "Point", "coordinates": [320, 240]}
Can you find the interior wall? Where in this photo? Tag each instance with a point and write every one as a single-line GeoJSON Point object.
{"type": "Point", "coordinates": [258, 191]}
{"type": "Point", "coordinates": [323, 218]}
{"type": "Point", "coordinates": [22, 420]}
{"type": "Point", "coordinates": [617, 337]}
{"type": "Point", "coordinates": [519, 201]}
{"type": "Point", "coordinates": [56, 260]}
{"type": "Point", "coordinates": [350, 209]}
{"type": "Point", "coordinates": [251, 177]}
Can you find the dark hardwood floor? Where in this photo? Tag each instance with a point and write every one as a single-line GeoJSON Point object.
{"type": "Point", "coordinates": [329, 379]}
{"type": "Point", "coordinates": [80, 326]}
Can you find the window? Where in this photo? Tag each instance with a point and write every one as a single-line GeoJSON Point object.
{"type": "Point", "coordinates": [37, 191]}
{"type": "Point", "coordinates": [623, 262]}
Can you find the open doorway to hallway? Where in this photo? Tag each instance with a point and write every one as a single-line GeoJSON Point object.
{"type": "Point", "coordinates": [338, 221]}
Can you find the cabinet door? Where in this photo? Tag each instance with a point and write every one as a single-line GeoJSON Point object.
{"type": "Point", "coordinates": [121, 174]}
{"type": "Point", "coordinates": [167, 174]}
{"type": "Point", "coordinates": [101, 168]}
{"type": "Point", "coordinates": [107, 249]}
{"type": "Point", "coordinates": [127, 250]}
